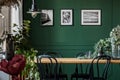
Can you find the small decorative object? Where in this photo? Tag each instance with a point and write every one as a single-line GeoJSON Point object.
{"type": "Point", "coordinates": [115, 41]}
{"type": "Point", "coordinates": [46, 17]}
{"type": "Point", "coordinates": [66, 17]}
{"type": "Point", "coordinates": [90, 17]}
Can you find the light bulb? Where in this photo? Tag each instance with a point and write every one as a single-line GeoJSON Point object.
{"type": "Point", "coordinates": [33, 13]}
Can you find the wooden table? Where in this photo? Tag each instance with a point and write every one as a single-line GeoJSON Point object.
{"type": "Point", "coordinates": [75, 60]}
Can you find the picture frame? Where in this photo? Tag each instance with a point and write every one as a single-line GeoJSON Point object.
{"type": "Point", "coordinates": [46, 17]}
{"type": "Point", "coordinates": [66, 17]}
{"type": "Point", "coordinates": [90, 17]}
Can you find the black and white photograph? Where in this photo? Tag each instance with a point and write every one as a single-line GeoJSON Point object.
{"type": "Point", "coordinates": [90, 17]}
{"type": "Point", "coordinates": [47, 17]}
{"type": "Point", "coordinates": [66, 17]}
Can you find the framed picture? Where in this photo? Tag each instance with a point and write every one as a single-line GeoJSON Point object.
{"type": "Point", "coordinates": [66, 17]}
{"type": "Point", "coordinates": [90, 17]}
{"type": "Point", "coordinates": [46, 17]}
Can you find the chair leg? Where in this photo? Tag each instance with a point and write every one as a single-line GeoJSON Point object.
{"type": "Point", "coordinates": [66, 78]}
{"type": "Point", "coordinates": [76, 78]}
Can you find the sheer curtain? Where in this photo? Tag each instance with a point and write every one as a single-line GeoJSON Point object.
{"type": "Point", "coordinates": [13, 15]}
{"type": "Point", "coordinates": [16, 17]}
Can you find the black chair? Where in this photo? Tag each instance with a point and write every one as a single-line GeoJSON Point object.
{"type": "Point", "coordinates": [60, 75]}
{"type": "Point", "coordinates": [99, 71]}
{"type": "Point", "coordinates": [79, 73]}
{"type": "Point", "coordinates": [95, 71]}
{"type": "Point", "coordinates": [48, 71]}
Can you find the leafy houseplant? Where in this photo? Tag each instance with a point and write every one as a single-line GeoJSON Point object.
{"type": "Point", "coordinates": [103, 46]}
{"type": "Point", "coordinates": [109, 45]}
{"type": "Point", "coordinates": [21, 47]}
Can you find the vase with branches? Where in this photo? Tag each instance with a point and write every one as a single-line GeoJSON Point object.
{"type": "Point", "coordinates": [115, 41]}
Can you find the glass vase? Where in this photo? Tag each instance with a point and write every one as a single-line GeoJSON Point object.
{"type": "Point", "coordinates": [114, 51]}
{"type": "Point", "coordinates": [118, 51]}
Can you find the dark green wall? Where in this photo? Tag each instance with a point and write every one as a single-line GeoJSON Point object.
{"type": "Point", "coordinates": [75, 37]}
{"type": "Point", "coordinates": [70, 40]}
{"type": "Point", "coordinates": [116, 12]}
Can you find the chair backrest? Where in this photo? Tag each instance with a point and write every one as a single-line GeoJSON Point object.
{"type": "Point", "coordinates": [58, 55]}
{"type": "Point", "coordinates": [47, 69]}
{"type": "Point", "coordinates": [81, 67]}
{"type": "Point", "coordinates": [101, 70]}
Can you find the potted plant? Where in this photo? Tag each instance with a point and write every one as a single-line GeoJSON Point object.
{"type": "Point", "coordinates": [109, 45]}
{"type": "Point", "coordinates": [22, 47]}
{"type": "Point", "coordinates": [103, 46]}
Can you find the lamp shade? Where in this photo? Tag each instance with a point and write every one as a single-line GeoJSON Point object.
{"type": "Point", "coordinates": [33, 10]}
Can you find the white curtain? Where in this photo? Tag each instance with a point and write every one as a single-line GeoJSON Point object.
{"type": "Point", "coordinates": [16, 17]}
{"type": "Point", "coordinates": [13, 16]}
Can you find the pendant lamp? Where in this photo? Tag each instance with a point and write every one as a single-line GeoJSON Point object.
{"type": "Point", "coordinates": [33, 10]}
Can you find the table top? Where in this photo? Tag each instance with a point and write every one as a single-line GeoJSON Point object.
{"type": "Point", "coordinates": [75, 60]}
